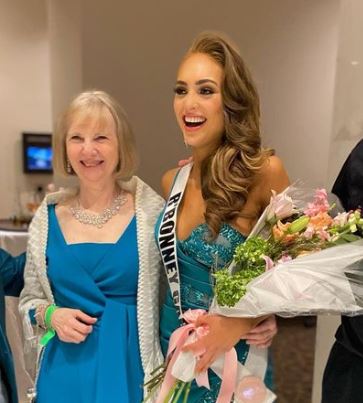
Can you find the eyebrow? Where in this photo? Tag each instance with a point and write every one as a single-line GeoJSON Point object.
{"type": "Point", "coordinates": [199, 82]}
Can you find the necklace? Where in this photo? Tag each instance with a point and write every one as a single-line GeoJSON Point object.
{"type": "Point", "coordinates": [99, 220]}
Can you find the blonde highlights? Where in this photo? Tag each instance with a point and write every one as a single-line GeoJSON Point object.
{"type": "Point", "coordinates": [227, 174]}
{"type": "Point", "coordinates": [94, 104]}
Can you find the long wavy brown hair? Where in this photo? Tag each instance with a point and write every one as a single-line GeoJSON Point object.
{"type": "Point", "coordinates": [227, 174]}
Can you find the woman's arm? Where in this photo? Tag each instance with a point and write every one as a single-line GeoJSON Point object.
{"type": "Point", "coordinates": [11, 272]}
{"type": "Point", "coordinates": [262, 335]}
{"type": "Point", "coordinates": [225, 332]}
{"type": "Point", "coordinates": [31, 297]}
{"type": "Point", "coordinates": [71, 325]}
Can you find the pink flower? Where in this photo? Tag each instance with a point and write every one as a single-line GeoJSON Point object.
{"type": "Point", "coordinates": [269, 262]}
{"type": "Point", "coordinates": [284, 258]}
{"type": "Point", "coordinates": [309, 232]}
{"type": "Point", "coordinates": [280, 207]}
{"type": "Point", "coordinates": [319, 205]}
{"type": "Point", "coordinates": [341, 219]}
{"type": "Point", "coordinates": [323, 235]}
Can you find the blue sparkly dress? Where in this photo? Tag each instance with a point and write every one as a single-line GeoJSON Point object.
{"type": "Point", "coordinates": [197, 257]}
{"type": "Point", "coordinates": [101, 280]}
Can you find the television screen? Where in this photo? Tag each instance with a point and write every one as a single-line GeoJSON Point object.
{"type": "Point", "coordinates": [39, 158]}
{"type": "Point", "coordinates": [37, 153]}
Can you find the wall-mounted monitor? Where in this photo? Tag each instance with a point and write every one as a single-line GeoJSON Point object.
{"type": "Point", "coordinates": [37, 153]}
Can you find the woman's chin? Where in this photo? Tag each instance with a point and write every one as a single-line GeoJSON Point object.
{"type": "Point", "coordinates": [94, 176]}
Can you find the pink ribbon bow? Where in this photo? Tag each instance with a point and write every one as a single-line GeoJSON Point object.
{"type": "Point", "coordinates": [177, 342]}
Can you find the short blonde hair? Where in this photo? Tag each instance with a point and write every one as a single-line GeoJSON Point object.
{"type": "Point", "coordinates": [94, 104]}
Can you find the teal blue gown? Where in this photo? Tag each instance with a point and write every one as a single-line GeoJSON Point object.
{"type": "Point", "coordinates": [197, 259]}
{"type": "Point", "coordinates": [100, 279]}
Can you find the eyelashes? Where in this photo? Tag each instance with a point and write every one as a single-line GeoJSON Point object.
{"type": "Point", "coordinates": [178, 90]}
{"type": "Point", "coordinates": [79, 138]}
{"type": "Point", "coordinates": [206, 91]}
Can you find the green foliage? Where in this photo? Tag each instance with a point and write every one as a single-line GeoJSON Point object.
{"type": "Point", "coordinates": [250, 253]}
{"type": "Point", "coordinates": [230, 288]}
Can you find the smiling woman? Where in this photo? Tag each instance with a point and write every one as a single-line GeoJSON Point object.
{"type": "Point", "coordinates": [96, 111]}
{"type": "Point", "coordinates": [220, 197]}
{"type": "Point", "coordinates": [92, 147]}
{"type": "Point", "coordinates": [198, 101]}
{"type": "Point", "coordinates": [91, 280]}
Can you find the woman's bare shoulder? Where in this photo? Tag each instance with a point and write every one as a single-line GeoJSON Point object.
{"type": "Point", "coordinates": [167, 181]}
{"type": "Point", "coordinates": [273, 176]}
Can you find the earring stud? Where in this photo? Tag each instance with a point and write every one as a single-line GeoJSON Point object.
{"type": "Point", "coordinates": [69, 168]}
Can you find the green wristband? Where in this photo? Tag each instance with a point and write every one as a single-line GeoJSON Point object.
{"type": "Point", "coordinates": [48, 315]}
{"type": "Point", "coordinates": [47, 336]}
{"type": "Point", "coordinates": [50, 333]}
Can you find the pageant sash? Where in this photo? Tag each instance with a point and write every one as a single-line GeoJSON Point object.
{"type": "Point", "coordinates": [167, 235]}
{"type": "Point", "coordinates": [254, 369]}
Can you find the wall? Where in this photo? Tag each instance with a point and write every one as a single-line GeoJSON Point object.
{"type": "Point", "coordinates": [347, 130]}
{"type": "Point", "coordinates": [65, 39]}
{"type": "Point", "coordinates": [348, 101]}
{"type": "Point", "coordinates": [25, 92]}
{"type": "Point", "coordinates": [290, 47]}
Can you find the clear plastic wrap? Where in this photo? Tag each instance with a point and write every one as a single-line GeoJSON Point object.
{"type": "Point", "coordinates": [325, 282]}
{"type": "Point", "coordinates": [326, 278]}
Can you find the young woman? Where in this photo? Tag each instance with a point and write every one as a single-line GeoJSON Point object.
{"type": "Point", "coordinates": [225, 190]}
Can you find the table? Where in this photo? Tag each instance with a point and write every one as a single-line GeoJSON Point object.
{"type": "Point", "coordinates": [15, 242]}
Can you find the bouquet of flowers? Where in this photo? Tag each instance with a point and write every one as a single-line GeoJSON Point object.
{"type": "Point", "coordinates": [301, 258]}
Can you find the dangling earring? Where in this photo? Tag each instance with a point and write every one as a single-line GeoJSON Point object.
{"type": "Point", "coordinates": [69, 168]}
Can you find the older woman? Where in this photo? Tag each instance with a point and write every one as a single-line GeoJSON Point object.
{"type": "Point", "coordinates": [91, 279]}
{"type": "Point", "coordinates": [215, 202]}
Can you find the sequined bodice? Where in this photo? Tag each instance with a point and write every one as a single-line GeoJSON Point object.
{"type": "Point", "coordinates": [216, 253]}
{"type": "Point", "coordinates": [198, 256]}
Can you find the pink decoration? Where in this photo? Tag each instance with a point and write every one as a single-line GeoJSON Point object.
{"type": "Point", "coordinates": [280, 207]}
{"type": "Point", "coordinates": [319, 205]}
{"type": "Point", "coordinates": [177, 341]}
{"type": "Point", "coordinates": [284, 258]}
{"type": "Point", "coordinates": [250, 390]}
{"type": "Point", "coordinates": [269, 262]}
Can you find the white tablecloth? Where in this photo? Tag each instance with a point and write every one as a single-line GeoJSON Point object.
{"type": "Point", "coordinates": [15, 243]}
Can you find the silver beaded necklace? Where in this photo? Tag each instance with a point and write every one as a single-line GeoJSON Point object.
{"type": "Point", "coordinates": [99, 220]}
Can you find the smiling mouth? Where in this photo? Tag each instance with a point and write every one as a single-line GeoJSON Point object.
{"type": "Point", "coordinates": [92, 164]}
{"type": "Point", "coordinates": [194, 121]}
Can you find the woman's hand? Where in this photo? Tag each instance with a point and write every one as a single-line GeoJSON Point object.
{"type": "Point", "coordinates": [185, 161]}
{"type": "Point", "coordinates": [72, 325]}
{"type": "Point", "coordinates": [261, 336]}
{"type": "Point", "coordinates": [224, 333]}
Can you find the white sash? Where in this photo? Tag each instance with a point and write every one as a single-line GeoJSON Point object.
{"type": "Point", "coordinates": [256, 361]}
{"type": "Point", "coordinates": [167, 235]}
